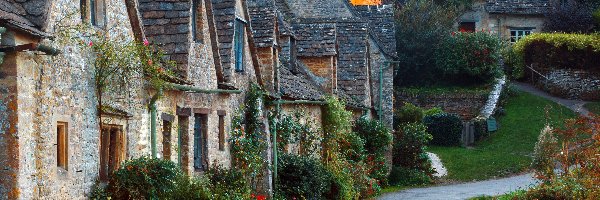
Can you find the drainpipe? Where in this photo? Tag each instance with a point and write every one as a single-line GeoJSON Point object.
{"type": "Point", "coordinates": [153, 121]}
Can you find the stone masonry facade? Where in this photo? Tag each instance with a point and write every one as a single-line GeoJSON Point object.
{"type": "Point", "coordinates": [299, 50]}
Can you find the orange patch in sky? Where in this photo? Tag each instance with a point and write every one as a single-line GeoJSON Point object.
{"type": "Point", "coordinates": [365, 2]}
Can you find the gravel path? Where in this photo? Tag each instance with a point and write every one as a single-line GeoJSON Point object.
{"type": "Point", "coordinates": [465, 190]}
{"type": "Point", "coordinates": [575, 105]}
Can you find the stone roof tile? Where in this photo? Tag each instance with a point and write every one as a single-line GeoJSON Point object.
{"type": "Point", "coordinates": [523, 7]}
{"type": "Point", "coordinates": [262, 19]}
{"type": "Point", "coordinates": [315, 39]}
{"type": "Point", "coordinates": [26, 15]}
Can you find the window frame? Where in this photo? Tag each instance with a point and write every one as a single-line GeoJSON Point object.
{"type": "Point", "coordinates": [221, 114]}
{"type": "Point", "coordinates": [239, 29]}
{"type": "Point", "coordinates": [94, 12]}
{"type": "Point", "coordinates": [520, 33]}
{"type": "Point", "coordinates": [197, 16]}
{"type": "Point", "coordinates": [62, 145]}
{"type": "Point", "coordinates": [104, 148]}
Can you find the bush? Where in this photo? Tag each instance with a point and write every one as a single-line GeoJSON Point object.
{"type": "Point", "coordinates": [228, 183]}
{"type": "Point", "coordinates": [480, 126]}
{"type": "Point", "coordinates": [433, 111]}
{"type": "Point", "coordinates": [409, 147]}
{"type": "Point", "coordinates": [559, 50]}
{"type": "Point", "coordinates": [408, 113]}
{"type": "Point", "coordinates": [545, 150]}
{"type": "Point", "coordinates": [144, 178]}
{"type": "Point", "coordinates": [446, 129]}
{"type": "Point", "coordinates": [302, 177]}
{"type": "Point", "coordinates": [187, 187]}
{"type": "Point", "coordinates": [377, 138]}
{"type": "Point", "coordinates": [401, 176]}
{"type": "Point", "coordinates": [469, 58]}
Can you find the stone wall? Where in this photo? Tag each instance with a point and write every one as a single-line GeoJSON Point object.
{"type": "Point", "coordinates": [464, 104]}
{"type": "Point", "coordinates": [352, 70]}
{"type": "Point", "coordinates": [377, 62]}
{"type": "Point", "coordinates": [572, 84]}
{"type": "Point", "coordinates": [323, 67]}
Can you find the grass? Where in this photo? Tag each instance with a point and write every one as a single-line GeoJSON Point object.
{"type": "Point", "coordinates": [510, 149]}
{"type": "Point", "coordinates": [593, 107]}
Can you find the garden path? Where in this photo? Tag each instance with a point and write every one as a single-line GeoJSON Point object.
{"type": "Point", "coordinates": [465, 190]}
{"type": "Point", "coordinates": [575, 105]}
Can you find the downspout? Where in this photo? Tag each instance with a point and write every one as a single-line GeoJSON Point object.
{"type": "Point", "coordinates": [2, 30]}
{"type": "Point", "coordinates": [153, 121]}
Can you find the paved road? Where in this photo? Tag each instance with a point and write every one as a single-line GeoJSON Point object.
{"type": "Point", "coordinates": [465, 190]}
{"type": "Point", "coordinates": [575, 105]}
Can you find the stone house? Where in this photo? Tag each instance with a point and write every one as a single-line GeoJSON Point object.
{"type": "Point", "coordinates": [308, 49]}
{"type": "Point", "coordinates": [50, 135]}
{"type": "Point", "coordinates": [510, 20]}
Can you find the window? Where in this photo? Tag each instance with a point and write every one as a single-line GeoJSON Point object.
{"type": "Point", "coordinates": [517, 34]}
{"type": "Point", "coordinates": [183, 140]}
{"type": "Point", "coordinates": [62, 143]}
{"type": "Point", "coordinates": [467, 27]}
{"type": "Point", "coordinates": [200, 146]}
{"type": "Point", "coordinates": [221, 129]}
{"type": "Point", "coordinates": [166, 140]}
{"type": "Point", "coordinates": [197, 23]}
{"type": "Point", "coordinates": [97, 11]}
{"type": "Point", "coordinates": [112, 145]}
{"type": "Point", "coordinates": [239, 44]}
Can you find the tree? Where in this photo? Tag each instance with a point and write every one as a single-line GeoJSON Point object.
{"type": "Point", "coordinates": [574, 16]}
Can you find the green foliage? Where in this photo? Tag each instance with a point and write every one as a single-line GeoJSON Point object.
{"type": "Point", "coordinates": [99, 192]}
{"type": "Point", "coordinates": [421, 25]}
{"type": "Point", "coordinates": [545, 149]}
{"type": "Point", "coordinates": [377, 138]}
{"type": "Point", "coordinates": [247, 139]}
{"type": "Point", "coordinates": [290, 130]}
{"type": "Point", "coordinates": [408, 113]}
{"type": "Point", "coordinates": [446, 129]}
{"type": "Point", "coordinates": [402, 176]}
{"type": "Point", "coordinates": [558, 50]}
{"type": "Point", "coordinates": [566, 188]}
{"type": "Point", "coordinates": [433, 111]}
{"type": "Point", "coordinates": [302, 177]}
{"type": "Point", "coordinates": [596, 16]}
{"type": "Point", "coordinates": [187, 187]}
{"type": "Point", "coordinates": [409, 147]}
{"type": "Point", "coordinates": [144, 178]}
{"type": "Point", "coordinates": [469, 58]}
{"type": "Point", "coordinates": [228, 183]}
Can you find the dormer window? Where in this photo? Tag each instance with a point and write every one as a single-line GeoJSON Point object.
{"type": "Point", "coordinates": [238, 46]}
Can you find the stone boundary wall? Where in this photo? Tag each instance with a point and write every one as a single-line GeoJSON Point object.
{"type": "Point", "coordinates": [466, 105]}
{"type": "Point", "coordinates": [570, 84]}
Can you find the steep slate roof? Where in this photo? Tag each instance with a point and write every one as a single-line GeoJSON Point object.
{"type": "Point", "coordinates": [224, 14]}
{"type": "Point", "coordinates": [315, 39]}
{"type": "Point", "coordinates": [381, 25]}
{"type": "Point", "coordinates": [298, 86]}
{"type": "Point", "coordinates": [262, 18]}
{"type": "Point", "coordinates": [284, 27]}
{"type": "Point", "coordinates": [167, 23]}
{"type": "Point", "coordinates": [523, 7]}
{"type": "Point", "coordinates": [25, 15]}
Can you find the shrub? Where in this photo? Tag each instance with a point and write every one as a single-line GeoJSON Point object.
{"type": "Point", "coordinates": [545, 150]}
{"type": "Point", "coordinates": [559, 50]}
{"type": "Point", "coordinates": [433, 111]}
{"type": "Point", "coordinates": [191, 188]}
{"type": "Point", "coordinates": [446, 129]}
{"type": "Point", "coordinates": [302, 177]}
{"type": "Point", "coordinates": [469, 58]}
{"type": "Point", "coordinates": [401, 176]}
{"type": "Point", "coordinates": [377, 138]}
{"type": "Point", "coordinates": [408, 113]}
{"type": "Point", "coordinates": [228, 183]}
{"type": "Point", "coordinates": [409, 147]}
{"type": "Point", "coordinates": [480, 126]}
{"type": "Point", "coordinates": [596, 16]}
{"type": "Point", "coordinates": [144, 178]}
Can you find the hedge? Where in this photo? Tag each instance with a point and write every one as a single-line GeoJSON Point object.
{"type": "Point", "coordinates": [558, 50]}
{"type": "Point", "coordinates": [445, 128]}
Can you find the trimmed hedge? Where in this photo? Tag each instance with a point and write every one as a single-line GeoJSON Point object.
{"type": "Point", "coordinates": [558, 50]}
{"type": "Point", "coordinates": [445, 128]}
{"type": "Point", "coordinates": [302, 177]}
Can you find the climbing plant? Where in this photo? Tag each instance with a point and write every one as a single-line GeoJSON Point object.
{"type": "Point", "coordinates": [247, 139]}
{"type": "Point", "coordinates": [117, 61]}
{"type": "Point", "coordinates": [291, 131]}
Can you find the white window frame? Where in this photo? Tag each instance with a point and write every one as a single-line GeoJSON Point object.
{"type": "Point", "coordinates": [519, 34]}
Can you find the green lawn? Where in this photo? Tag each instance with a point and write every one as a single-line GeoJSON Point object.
{"type": "Point", "coordinates": [593, 107]}
{"type": "Point", "coordinates": [510, 149]}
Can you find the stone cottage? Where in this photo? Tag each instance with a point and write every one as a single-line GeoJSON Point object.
{"type": "Point", "coordinates": [52, 145]}
{"type": "Point", "coordinates": [510, 20]}
{"type": "Point", "coordinates": [308, 49]}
